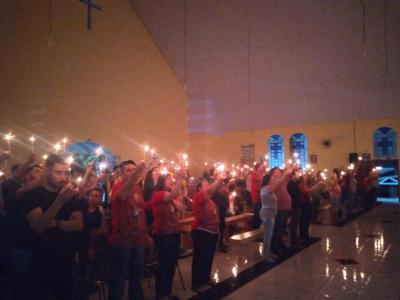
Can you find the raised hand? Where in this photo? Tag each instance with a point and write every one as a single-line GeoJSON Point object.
{"type": "Point", "coordinates": [66, 193]}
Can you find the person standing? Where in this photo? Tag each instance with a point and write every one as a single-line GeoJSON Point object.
{"type": "Point", "coordinates": [166, 204]}
{"type": "Point", "coordinates": [256, 178]}
{"type": "Point", "coordinates": [128, 236]}
{"type": "Point", "coordinates": [54, 215]}
{"type": "Point", "coordinates": [204, 233]}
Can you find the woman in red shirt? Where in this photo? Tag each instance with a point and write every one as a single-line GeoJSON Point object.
{"type": "Point", "coordinates": [166, 203]}
{"type": "Point", "coordinates": [205, 229]}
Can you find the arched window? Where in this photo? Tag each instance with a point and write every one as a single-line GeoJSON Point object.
{"type": "Point", "coordinates": [385, 142]}
{"type": "Point", "coordinates": [299, 145]}
{"type": "Point", "coordinates": [276, 151]}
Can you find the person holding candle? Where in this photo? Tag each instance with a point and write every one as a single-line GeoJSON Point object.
{"type": "Point", "coordinates": [205, 229]}
{"type": "Point", "coordinates": [278, 186]}
{"type": "Point", "coordinates": [149, 185]}
{"type": "Point", "coordinates": [166, 204]}
{"type": "Point", "coordinates": [128, 236]}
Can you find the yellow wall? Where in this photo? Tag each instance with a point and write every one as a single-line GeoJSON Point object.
{"type": "Point", "coordinates": [111, 85]}
{"type": "Point", "coordinates": [227, 147]}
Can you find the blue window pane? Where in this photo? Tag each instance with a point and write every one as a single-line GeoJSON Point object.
{"type": "Point", "coordinates": [276, 151]}
{"type": "Point", "coordinates": [385, 143]}
{"type": "Point", "coordinates": [299, 145]}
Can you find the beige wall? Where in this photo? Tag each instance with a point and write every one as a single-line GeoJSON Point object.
{"type": "Point", "coordinates": [111, 85]}
{"type": "Point", "coordinates": [227, 147]}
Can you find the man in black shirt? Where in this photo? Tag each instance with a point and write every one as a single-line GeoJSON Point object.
{"type": "Point", "coordinates": [54, 215]}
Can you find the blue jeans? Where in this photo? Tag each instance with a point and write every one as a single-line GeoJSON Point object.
{"type": "Point", "coordinates": [125, 260]}
{"type": "Point", "coordinates": [268, 224]}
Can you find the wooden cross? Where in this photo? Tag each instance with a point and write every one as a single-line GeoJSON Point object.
{"type": "Point", "coordinates": [90, 5]}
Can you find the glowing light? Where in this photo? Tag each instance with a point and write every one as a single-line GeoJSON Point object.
{"type": "Point", "coordinates": [298, 161]}
{"type": "Point", "coordinates": [295, 155]}
{"type": "Point", "coordinates": [354, 276]}
{"type": "Point", "coordinates": [164, 171]}
{"type": "Point", "coordinates": [186, 163]}
{"type": "Point", "coordinates": [79, 179]}
{"type": "Point", "coordinates": [221, 168]}
{"type": "Point", "coordinates": [290, 161]}
{"type": "Point", "coordinates": [235, 270]}
{"type": "Point", "coordinates": [153, 151]}
{"type": "Point", "coordinates": [266, 157]}
{"type": "Point", "coordinates": [1, 173]}
{"type": "Point", "coordinates": [57, 147]}
{"type": "Point", "coordinates": [360, 158]}
{"type": "Point", "coordinates": [99, 151]}
{"type": "Point", "coordinates": [342, 173]}
{"type": "Point", "coordinates": [327, 270]}
{"type": "Point", "coordinates": [32, 139]}
{"type": "Point", "coordinates": [254, 163]}
{"type": "Point", "coordinates": [362, 275]}
{"type": "Point", "coordinates": [205, 163]}
{"type": "Point", "coordinates": [64, 140]}
{"type": "Point", "coordinates": [308, 166]}
{"type": "Point", "coordinates": [184, 156]}
{"type": "Point", "coordinates": [172, 162]}
{"type": "Point", "coordinates": [216, 276]}
{"type": "Point", "coordinates": [161, 161]}
{"type": "Point", "coordinates": [69, 160]}
{"type": "Point", "coordinates": [9, 136]}
{"type": "Point", "coordinates": [326, 170]}
{"type": "Point", "coordinates": [234, 174]}
{"type": "Point", "coordinates": [328, 245]}
{"type": "Point", "coordinates": [45, 156]}
{"type": "Point", "coordinates": [234, 194]}
{"type": "Point", "coordinates": [102, 166]}
{"type": "Point", "coordinates": [357, 242]}
{"type": "Point", "coordinates": [379, 168]}
{"type": "Point", "coordinates": [344, 274]}
{"type": "Point", "coordinates": [146, 148]}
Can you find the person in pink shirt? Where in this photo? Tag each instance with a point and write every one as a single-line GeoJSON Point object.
{"type": "Point", "coordinates": [278, 187]}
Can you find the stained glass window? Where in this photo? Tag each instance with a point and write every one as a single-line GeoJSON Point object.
{"type": "Point", "coordinates": [299, 145]}
{"type": "Point", "coordinates": [385, 142]}
{"type": "Point", "coordinates": [276, 151]}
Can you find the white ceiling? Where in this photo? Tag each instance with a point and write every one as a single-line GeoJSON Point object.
{"type": "Point", "coordinates": [250, 64]}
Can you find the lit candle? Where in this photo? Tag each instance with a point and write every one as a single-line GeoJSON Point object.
{"type": "Point", "coordinates": [64, 140]}
{"type": "Point", "coordinates": [146, 149]}
{"type": "Point", "coordinates": [32, 139]}
{"type": "Point", "coordinates": [152, 153]}
{"type": "Point", "coordinates": [266, 156]}
{"type": "Point", "coordinates": [57, 147]}
{"type": "Point", "coordinates": [164, 171]}
{"type": "Point", "coordinates": [1, 173]}
{"type": "Point", "coordinates": [69, 160]}
{"type": "Point", "coordinates": [205, 163]}
{"type": "Point", "coordinates": [45, 156]}
{"type": "Point", "coordinates": [8, 137]}
{"type": "Point", "coordinates": [99, 151]}
{"type": "Point", "coordinates": [360, 158]}
{"type": "Point", "coordinates": [220, 168]}
{"type": "Point", "coordinates": [295, 155]}
{"type": "Point", "coordinates": [290, 161]}
{"type": "Point", "coordinates": [102, 166]}
{"type": "Point", "coordinates": [79, 179]}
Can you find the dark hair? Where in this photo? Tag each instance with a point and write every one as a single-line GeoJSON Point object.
{"type": "Point", "coordinates": [266, 179]}
{"type": "Point", "coordinates": [199, 184]}
{"type": "Point", "coordinates": [54, 159]}
{"type": "Point", "coordinates": [31, 167]}
{"type": "Point", "coordinates": [241, 183]}
{"type": "Point", "coordinates": [257, 166]}
{"type": "Point", "coordinates": [125, 163]}
{"type": "Point", "coordinates": [160, 185]}
{"type": "Point", "coordinates": [272, 170]}
{"type": "Point", "coordinates": [96, 189]}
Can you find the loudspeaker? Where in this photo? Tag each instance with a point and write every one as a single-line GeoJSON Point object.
{"type": "Point", "coordinates": [353, 157]}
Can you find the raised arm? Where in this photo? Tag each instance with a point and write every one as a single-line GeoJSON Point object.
{"type": "Point", "coordinates": [132, 181]}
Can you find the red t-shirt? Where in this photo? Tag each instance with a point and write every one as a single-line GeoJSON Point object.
{"type": "Point", "coordinates": [205, 213]}
{"type": "Point", "coordinates": [128, 221]}
{"type": "Point", "coordinates": [165, 215]}
{"type": "Point", "coordinates": [255, 187]}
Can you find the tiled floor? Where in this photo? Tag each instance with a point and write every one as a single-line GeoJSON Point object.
{"type": "Point", "coordinates": [314, 272]}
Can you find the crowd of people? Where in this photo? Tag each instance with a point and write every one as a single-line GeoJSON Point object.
{"type": "Point", "coordinates": [57, 221]}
